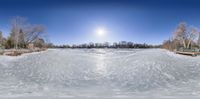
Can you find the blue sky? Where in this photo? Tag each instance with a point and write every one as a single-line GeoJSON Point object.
{"type": "Point", "coordinates": [75, 21]}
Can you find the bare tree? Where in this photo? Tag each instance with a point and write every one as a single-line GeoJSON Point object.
{"type": "Point", "coordinates": [21, 39]}
{"type": "Point", "coordinates": [39, 43]}
{"type": "Point", "coordinates": [191, 35]}
{"type": "Point", "coordinates": [33, 32]}
{"type": "Point", "coordinates": [24, 33]}
{"type": "Point", "coordinates": [17, 25]}
{"type": "Point", "coordinates": [180, 33]}
{"type": "Point", "coordinates": [185, 35]}
{"type": "Point", "coordinates": [1, 39]}
{"type": "Point", "coordinates": [198, 41]}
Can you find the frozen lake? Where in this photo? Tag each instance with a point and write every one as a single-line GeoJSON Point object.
{"type": "Point", "coordinates": [100, 73]}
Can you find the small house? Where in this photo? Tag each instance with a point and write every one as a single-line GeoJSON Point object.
{"type": "Point", "coordinates": [30, 46]}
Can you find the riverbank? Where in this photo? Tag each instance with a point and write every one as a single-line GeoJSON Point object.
{"type": "Point", "coordinates": [18, 52]}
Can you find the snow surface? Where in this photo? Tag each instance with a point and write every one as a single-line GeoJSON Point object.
{"type": "Point", "coordinates": [100, 73]}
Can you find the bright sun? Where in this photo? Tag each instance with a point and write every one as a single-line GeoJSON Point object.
{"type": "Point", "coordinates": [101, 32]}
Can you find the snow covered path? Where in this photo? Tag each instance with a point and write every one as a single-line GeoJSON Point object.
{"type": "Point", "coordinates": [100, 73]}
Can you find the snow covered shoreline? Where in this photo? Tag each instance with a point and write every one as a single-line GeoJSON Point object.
{"type": "Point", "coordinates": [100, 73]}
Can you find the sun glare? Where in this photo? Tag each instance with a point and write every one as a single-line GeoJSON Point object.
{"type": "Point", "coordinates": [101, 32]}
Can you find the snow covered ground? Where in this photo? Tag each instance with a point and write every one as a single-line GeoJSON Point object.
{"type": "Point", "coordinates": [100, 73]}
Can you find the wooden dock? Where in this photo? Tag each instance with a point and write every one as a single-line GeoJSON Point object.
{"type": "Point", "coordinates": [188, 53]}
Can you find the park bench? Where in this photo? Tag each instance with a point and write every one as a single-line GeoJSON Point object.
{"type": "Point", "coordinates": [188, 53]}
{"type": "Point", "coordinates": [191, 52]}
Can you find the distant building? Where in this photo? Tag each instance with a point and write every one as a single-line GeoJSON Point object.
{"type": "Point", "coordinates": [123, 44]}
{"type": "Point", "coordinates": [30, 46]}
{"type": "Point", "coordinates": [106, 44]}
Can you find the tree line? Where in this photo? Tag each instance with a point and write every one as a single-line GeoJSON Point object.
{"type": "Point", "coordinates": [184, 37]}
{"type": "Point", "coordinates": [121, 44]}
{"type": "Point", "coordinates": [22, 34]}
